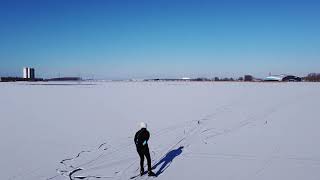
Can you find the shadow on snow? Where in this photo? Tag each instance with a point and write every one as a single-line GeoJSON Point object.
{"type": "Point", "coordinates": [167, 160]}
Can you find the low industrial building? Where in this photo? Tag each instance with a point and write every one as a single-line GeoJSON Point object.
{"type": "Point", "coordinates": [283, 78]}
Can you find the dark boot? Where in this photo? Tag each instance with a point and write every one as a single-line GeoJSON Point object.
{"type": "Point", "coordinates": [142, 172]}
{"type": "Point", "coordinates": [150, 173]}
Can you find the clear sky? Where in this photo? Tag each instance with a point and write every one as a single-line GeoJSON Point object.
{"type": "Point", "coordinates": [159, 38]}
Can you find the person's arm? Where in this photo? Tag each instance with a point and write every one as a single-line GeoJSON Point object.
{"type": "Point", "coordinates": [147, 138]}
{"type": "Point", "coordinates": [135, 138]}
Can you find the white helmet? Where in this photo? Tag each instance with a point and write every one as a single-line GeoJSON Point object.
{"type": "Point", "coordinates": [143, 125]}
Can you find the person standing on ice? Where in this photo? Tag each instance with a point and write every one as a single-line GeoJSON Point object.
{"type": "Point", "coordinates": [141, 140]}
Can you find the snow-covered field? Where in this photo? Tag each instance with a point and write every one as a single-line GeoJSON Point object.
{"type": "Point", "coordinates": [228, 131]}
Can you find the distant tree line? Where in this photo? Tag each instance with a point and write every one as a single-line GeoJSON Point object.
{"type": "Point", "coordinates": [313, 77]}
{"type": "Point", "coordinates": [223, 79]}
{"type": "Point", "coordinates": [245, 78]}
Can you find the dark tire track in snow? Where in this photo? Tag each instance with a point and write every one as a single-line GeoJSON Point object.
{"type": "Point", "coordinates": [73, 169]}
{"type": "Point", "coordinates": [70, 159]}
{"type": "Point", "coordinates": [72, 172]}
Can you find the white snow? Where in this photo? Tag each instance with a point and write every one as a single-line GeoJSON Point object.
{"type": "Point", "coordinates": [228, 130]}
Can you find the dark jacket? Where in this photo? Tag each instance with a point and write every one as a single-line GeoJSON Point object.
{"type": "Point", "coordinates": [142, 136]}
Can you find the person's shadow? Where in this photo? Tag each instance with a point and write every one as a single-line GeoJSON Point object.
{"type": "Point", "coordinates": [167, 160]}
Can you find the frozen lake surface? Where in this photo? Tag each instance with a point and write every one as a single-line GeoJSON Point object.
{"type": "Point", "coordinates": [216, 130]}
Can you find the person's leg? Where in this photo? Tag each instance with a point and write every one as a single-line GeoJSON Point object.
{"type": "Point", "coordinates": [150, 173]}
{"type": "Point", "coordinates": [147, 154]}
{"type": "Point", "coordinates": [141, 155]}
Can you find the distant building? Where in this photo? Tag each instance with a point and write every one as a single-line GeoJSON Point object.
{"type": "Point", "coordinates": [292, 78]}
{"type": "Point", "coordinates": [274, 78]}
{"type": "Point", "coordinates": [282, 78]}
{"type": "Point", "coordinates": [25, 72]}
{"type": "Point", "coordinates": [28, 73]}
{"type": "Point", "coordinates": [31, 73]}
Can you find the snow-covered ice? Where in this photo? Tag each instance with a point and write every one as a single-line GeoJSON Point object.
{"type": "Point", "coordinates": [205, 130]}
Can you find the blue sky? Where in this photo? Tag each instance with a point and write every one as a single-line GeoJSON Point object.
{"type": "Point", "coordinates": [159, 38]}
